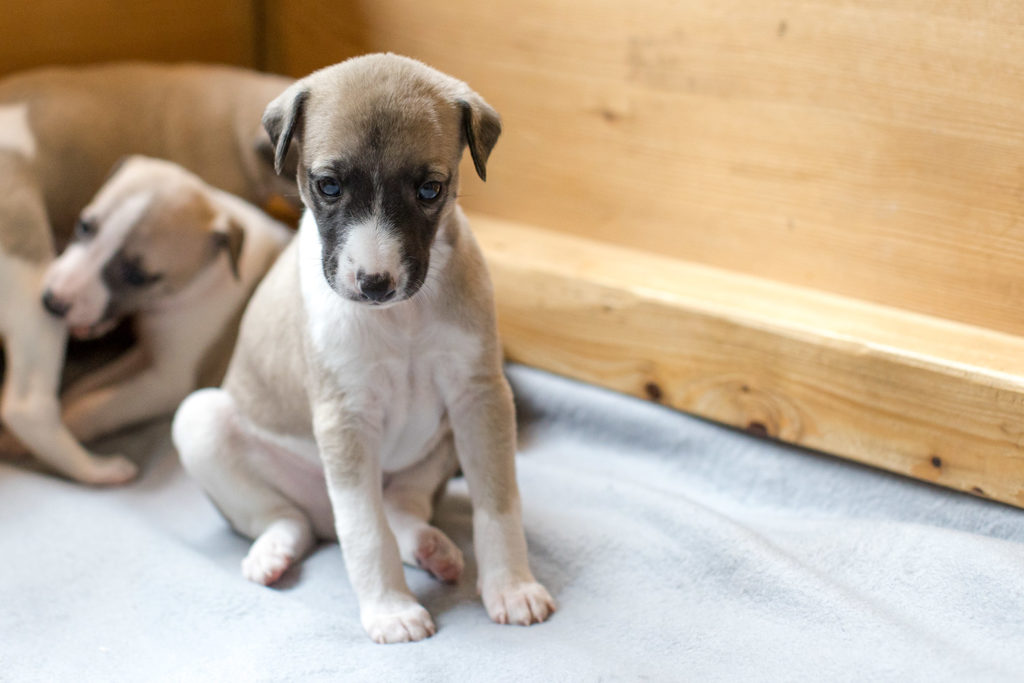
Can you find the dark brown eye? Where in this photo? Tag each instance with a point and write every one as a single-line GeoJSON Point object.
{"type": "Point", "coordinates": [429, 191]}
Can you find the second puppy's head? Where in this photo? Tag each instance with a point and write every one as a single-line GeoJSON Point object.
{"type": "Point", "coordinates": [149, 232]}
{"type": "Point", "coordinates": [380, 138]}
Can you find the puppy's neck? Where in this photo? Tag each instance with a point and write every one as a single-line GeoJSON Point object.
{"type": "Point", "coordinates": [216, 276]}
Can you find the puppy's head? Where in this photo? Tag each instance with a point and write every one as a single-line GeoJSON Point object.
{"type": "Point", "coordinates": [148, 232]}
{"type": "Point", "coordinates": [379, 140]}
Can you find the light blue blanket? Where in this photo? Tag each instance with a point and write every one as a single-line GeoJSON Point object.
{"type": "Point", "coordinates": [676, 549]}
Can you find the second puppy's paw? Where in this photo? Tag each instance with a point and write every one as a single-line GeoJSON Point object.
{"type": "Point", "coordinates": [107, 470]}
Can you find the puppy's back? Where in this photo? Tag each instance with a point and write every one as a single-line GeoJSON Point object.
{"type": "Point", "coordinates": [270, 357]}
{"type": "Point", "coordinates": [204, 117]}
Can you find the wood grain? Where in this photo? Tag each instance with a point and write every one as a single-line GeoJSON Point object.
{"type": "Point", "coordinates": [922, 396]}
{"type": "Point", "coordinates": [45, 32]}
{"type": "Point", "coordinates": [866, 148]}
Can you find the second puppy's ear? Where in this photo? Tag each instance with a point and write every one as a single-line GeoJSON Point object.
{"type": "Point", "coordinates": [281, 120]}
{"type": "Point", "coordinates": [228, 236]}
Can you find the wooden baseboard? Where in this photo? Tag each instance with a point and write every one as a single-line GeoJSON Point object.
{"type": "Point", "coordinates": [930, 398]}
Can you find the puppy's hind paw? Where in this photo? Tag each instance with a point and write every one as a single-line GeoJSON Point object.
{"type": "Point", "coordinates": [436, 553]}
{"type": "Point", "coordinates": [522, 603]}
{"type": "Point", "coordinates": [266, 562]}
{"type": "Point", "coordinates": [107, 470]}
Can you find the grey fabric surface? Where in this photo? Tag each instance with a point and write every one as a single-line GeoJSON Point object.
{"type": "Point", "coordinates": [677, 550]}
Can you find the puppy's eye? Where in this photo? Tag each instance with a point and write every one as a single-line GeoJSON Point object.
{"type": "Point", "coordinates": [329, 187]}
{"type": "Point", "coordinates": [429, 191]}
{"type": "Point", "coordinates": [134, 276]}
{"type": "Point", "coordinates": [84, 229]}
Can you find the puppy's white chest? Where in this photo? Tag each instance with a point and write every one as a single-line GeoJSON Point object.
{"type": "Point", "coordinates": [391, 367]}
{"type": "Point", "coordinates": [411, 410]}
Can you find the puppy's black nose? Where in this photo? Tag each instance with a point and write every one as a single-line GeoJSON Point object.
{"type": "Point", "coordinates": [55, 305]}
{"type": "Point", "coordinates": [377, 287]}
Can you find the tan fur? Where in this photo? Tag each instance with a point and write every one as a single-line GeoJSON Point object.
{"type": "Point", "coordinates": [22, 209]}
{"type": "Point", "coordinates": [173, 237]}
{"type": "Point", "coordinates": [336, 120]}
{"type": "Point", "coordinates": [73, 124]}
{"type": "Point", "coordinates": [84, 119]}
{"type": "Point", "coordinates": [255, 376]}
{"type": "Point", "coordinates": [342, 412]}
{"type": "Point", "coordinates": [214, 365]}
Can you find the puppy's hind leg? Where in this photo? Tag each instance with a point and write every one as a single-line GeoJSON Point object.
{"type": "Point", "coordinates": [214, 447]}
{"type": "Point", "coordinates": [34, 347]}
{"type": "Point", "coordinates": [409, 499]}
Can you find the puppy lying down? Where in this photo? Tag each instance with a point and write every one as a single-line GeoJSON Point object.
{"type": "Point", "coordinates": [368, 365]}
{"type": "Point", "coordinates": [180, 257]}
{"type": "Point", "coordinates": [61, 131]}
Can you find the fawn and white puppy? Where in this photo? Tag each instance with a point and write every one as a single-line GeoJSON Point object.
{"type": "Point", "coordinates": [368, 365]}
{"type": "Point", "coordinates": [61, 131]}
{"type": "Point", "coordinates": [182, 258]}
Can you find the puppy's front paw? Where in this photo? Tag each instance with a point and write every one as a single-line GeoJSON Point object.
{"type": "Point", "coordinates": [518, 602]}
{"type": "Point", "coordinates": [436, 553]}
{"type": "Point", "coordinates": [402, 625]}
{"type": "Point", "coordinates": [107, 470]}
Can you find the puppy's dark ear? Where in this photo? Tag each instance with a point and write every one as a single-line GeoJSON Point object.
{"type": "Point", "coordinates": [482, 126]}
{"type": "Point", "coordinates": [281, 120]}
{"type": "Point", "coordinates": [228, 236]}
{"type": "Point", "coordinates": [265, 153]}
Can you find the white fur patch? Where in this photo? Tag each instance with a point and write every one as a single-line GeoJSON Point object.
{"type": "Point", "coordinates": [372, 249]}
{"type": "Point", "coordinates": [391, 362]}
{"type": "Point", "coordinates": [15, 133]}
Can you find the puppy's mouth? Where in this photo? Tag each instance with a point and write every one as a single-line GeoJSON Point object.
{"type": "Point", "coordinates": [348, 290]}
{"type": "Point", "coordinates": [357, 298]}
{"type": "Point", "coordinates": [86, 332]}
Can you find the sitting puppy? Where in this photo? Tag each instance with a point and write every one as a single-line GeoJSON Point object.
{"type": "Point", "coordinates": [182, 258]}
{"type": "Point", "coordinates": [368, 358]}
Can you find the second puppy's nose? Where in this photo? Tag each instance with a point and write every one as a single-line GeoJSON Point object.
{"type": "Point", "coordinates": [377, 287]}
{"type": "Point", "coordinates": [54, 305]}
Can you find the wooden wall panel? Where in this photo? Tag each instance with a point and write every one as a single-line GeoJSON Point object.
{"type": "Point", "coordinates": [867, 148]}
{"type": "Point", "coordinates": [44, 32]}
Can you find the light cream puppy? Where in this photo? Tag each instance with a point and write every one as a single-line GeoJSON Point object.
{"type": "Point", "coordinates": [61, 131]}
{"type": "Point", "coordinates": [368, 359]}
{"type": "Point", "coordinates": [181, 258]}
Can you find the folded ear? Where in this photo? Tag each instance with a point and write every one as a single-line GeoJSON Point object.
{"type": "Point", "coordinates": [265, 153]}
{"type": "Point", "coordinates": [229, 236]}
{"type": "Point", "coordinates": [482, 126]}
{"type": "Point", "coordinates": [281, 120]}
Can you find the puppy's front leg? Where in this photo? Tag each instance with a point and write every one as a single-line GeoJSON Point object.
{"type": "Point", "coordinates": [483, 420]}
{"type": "Point", "coordinates": [387, 608]}
{"type": "Point", "coordinates": [29, 406]}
